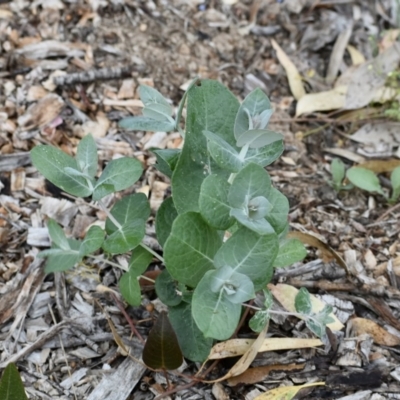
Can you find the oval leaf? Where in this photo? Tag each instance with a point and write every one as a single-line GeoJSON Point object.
{"type": "Point", "coordinates": [146, 124]}
{"type": "Point", "coordinates": [190, 248]}
{"type": "Point", "coordinates": [11, 386]}
{"type": "Point", "coordinates": [118, 175]}
{"type": "Point", "coordinates": [257, 138]}
{"type": "Point", "coordinates": [130, 288]}
{"type": "Point", "coordinates": [86, 156]}
{"type": "Point", "coordinates": [166, 289]}
{"type": "Point", "coordinates": [166, 215]}
{"type": "Point", "coordinates": [51, 163]}
{"type": "Point", "coordinates": [162, 350]}
{"type": "Point", "coordinates": [213, 202]}
{"type": "Point", "coordinates": [364, 179]}
{"type": "Point", "coordinates": [93, 240]}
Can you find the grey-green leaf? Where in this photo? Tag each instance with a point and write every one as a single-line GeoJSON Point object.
{"type": "Point", "coordinates": [130, 288]}
{"type": "Point", "coordinates": [125, 238]}
{"type": "Point", "coordinates": [254, 105]}
{"type": "Point", "coordinates": [159, 112]}
{"type": "Point", "coordinates": [86, 156]}
{"type": "Point", "coordinates": [290, 251]}
{"type": "Point", "coordinates": [57, 235]}
{"type": "Point", "coordinates": [64, 260]}
{"type": "Point", "coordinates": [364, 179]}
{"type": "Point", "coordinates": [260, 226]}
{"type": "Point", "coordinates": [51, 163]}
{"type": "Point", "coordinates": [211, 106]}
{"type": "Point", "coordinates": [140, 123]}
{"type": "Point", "coordinates": [149, 96]}
{"type": "Point", "coordinates": [190, 248]}
{"type": "Point", "coordinates": [266, 155]}
{"type": "Point", "coordinates": [223, 153]}
{"type": "Point", "coordinates": [302, 302]}
{"type": "Point", "coordinates": [259, 320]}
{"type": "Point", "coordinates": [167, 289]}
{"type": "Point", "coordinates": [194, 345]}
{"type": "Point", "coordinates": [139, 261]}
{"type": "Point", "coordinates": [395, 180]}
{"type": "Point", "coordinates": [338, 171]}
{"type": "Point", "coordinates": [250, 182]}
{"type": "Point", "coordinates": [93, 240]}
{"type": "Point", "coordinates": [213, 202]}
{"type": "Point", "coordinates": [214, 314]}
{"type": "Point", "coordinates": [130, 208]}
{"type": "Point", "coordinates": [166, 215]}
{"type": "Point", "coordinates": [118, 175]}
{"type": "Point", "coordinates": [250, 254]}
{"type": "Point", "coordinates": [257, 138]}
{"type": "Point", "coordinates": [166, 160]}
{"type": "Point", "coordinates": [278, 215]}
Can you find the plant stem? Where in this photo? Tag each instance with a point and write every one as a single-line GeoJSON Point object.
{"type": "Point", "coordinates": [151, 251]}
{"type": "Point", "coordinates": [112, 263]}
{"type": "Point", "coordinates": [109, 215]}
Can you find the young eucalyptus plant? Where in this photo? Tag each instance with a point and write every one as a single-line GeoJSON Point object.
{"type": "Point", "coordinates": [222, 231]}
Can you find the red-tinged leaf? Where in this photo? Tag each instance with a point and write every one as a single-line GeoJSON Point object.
{"type": "Point", "coordinates": [162, 349]}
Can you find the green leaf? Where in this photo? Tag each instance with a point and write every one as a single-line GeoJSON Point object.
{"type": "Point", "coordinates": [257, 138]}
{"type": "Point", "coordinates": [278, 216]}
{"type": "Point", "coordinates": [317, 327]}
{"type": "Point", "coordinates": [213, 202]}
{"type": "Point", "coordinates": [210, 106]}
{"type": "Point", "coordinates": [166, 160]}
{"type": "Point", "coordinates": [250, 254]}
{"type": "Point", "coordinates": [257, 107]}
{"type": "Point", "coordinates": [159, 112]}
{"type": "Point", "coordinates": [190, 248]}
{"type": "Point", "coordinates": [260, 226]}
{"type": "Point", "coordinates": [265, 155]}
{"type": "Point", "coordinates": [146, 124]}
{"type": "Point", "coordinates": [162, 350]}
{"type": "Point", "coordinates": [94, 238]}
{"type": "Point", "coordinates": [395, 179]}
{"type": "Point", "coordinates": [57, 235]}
{"type": "Point", "coordinates": [118, 175]}
{"type": "Point", "coordinates": [194, 345]}
{"type": "Point", "coordinates": [364, 179]}
{"type": "Point", "coordinates": [259, 320]}
{"type": "Point", "coordinates": [125, 238]}
{"type": "Point", "coordinates": [302, 302]}
{"type": "Point", "coordinates": [338, 171]}
{"type": "Point", "coordinates": [51, 163]}
{"type": "Point", "coordinates": [11, 386]}
{"type": "Point", "coordinates": [269, 299]}
{"type": "Point", "coordinates": [166, 289]}
{"type": "Point", "coordinates": [290, 251]}
{"type": "Point", "coordinates": [139, 261]}
{"type": "Point", "coordinates": [130, 208]}
{"type": "Point", "coordinates": [150, 96]}
{"type": "Point", "coordinates": [258, 207]}
{"type": "Point", "coordinates": [250, 182]}
{"type": "Point", "coordinates": [223, 153]}
{"type": "Point", "coordinates": [130, 288]}
{"type": "Point", "coordinates": [214, 314]}
{"type": "Point", "coordinates": [63, 260]}
{"type": "Point", "coordinates": [166, 215]}
{"type": "Point", "coordinates": [86, 156]}
{"type": "Point", "coordinates": [237, 288]}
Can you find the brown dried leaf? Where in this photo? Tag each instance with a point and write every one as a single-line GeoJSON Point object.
{"type": "Point", "coordinates": [361, 326]}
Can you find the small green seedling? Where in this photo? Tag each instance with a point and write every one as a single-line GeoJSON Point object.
{"type": "Point", "coordinates": [366, 179]}
{"type": "Point", "coordinates": [11, 386]}
{"type": "Point", "coordinates": [338, 171]}
{"type": "Point", "coordinates": [223, 230]}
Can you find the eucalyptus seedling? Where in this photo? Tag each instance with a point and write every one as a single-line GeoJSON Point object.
{"type": "Point", "coordinates": [223, 230]}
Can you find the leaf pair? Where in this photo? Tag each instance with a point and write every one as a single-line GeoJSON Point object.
{"type": "Point", "coordinates": [65, 253]}
{"type": "Point", "coordinates": [157, 113]}
{"type": "Point", "coordinates": [249, 200]}
{"type": "Point", "coordinates": [76, 176]}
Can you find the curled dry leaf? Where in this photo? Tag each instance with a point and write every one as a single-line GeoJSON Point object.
{"type": "Point", "coordinates": [356, 56]}
{"type": "Point", "coordinates": [380, 336]}
{"type": "Point", "coordinates": [257, 374]}
{"type": "Point", "coordinates": [295, 81]}
{"type": "Point", "coordinates": [286, 392]}
{"type": "Point", "coordinates": [237, 347]}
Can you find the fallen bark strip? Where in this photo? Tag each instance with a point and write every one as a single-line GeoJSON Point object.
{"type": "Point", "coordinates": [94, 75]}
